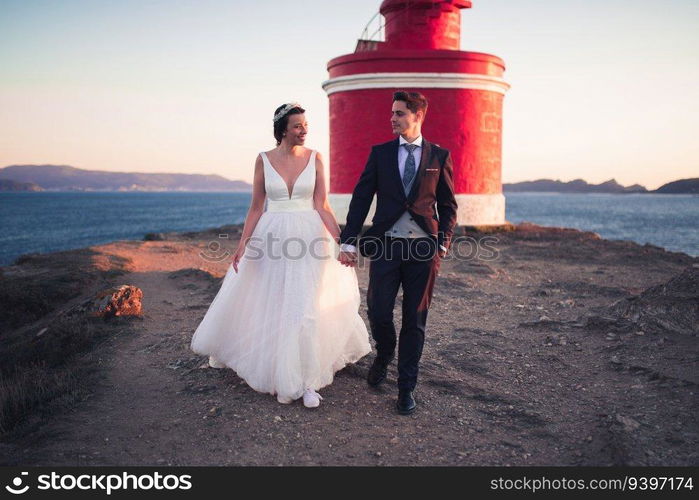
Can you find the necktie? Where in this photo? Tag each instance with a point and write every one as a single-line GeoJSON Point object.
{"type": "Point", "coordinates": [409, 172]}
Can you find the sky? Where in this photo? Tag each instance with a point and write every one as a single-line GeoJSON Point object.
{"type": "Point", "coordinates": [600, 89]}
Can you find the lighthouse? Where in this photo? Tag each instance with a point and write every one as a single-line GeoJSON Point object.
{"type": "Point", "coordinates": [421, 52]}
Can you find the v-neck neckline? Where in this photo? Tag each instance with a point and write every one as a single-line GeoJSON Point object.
{"type": "Point", "coordinates": [282, 178]}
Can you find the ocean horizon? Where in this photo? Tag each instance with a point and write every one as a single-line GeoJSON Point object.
{"type": "Point", "coordinates": [40, 222]}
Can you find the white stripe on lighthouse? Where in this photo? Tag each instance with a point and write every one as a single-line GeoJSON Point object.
{"type": "Point", "coordinates": [416, 80]}
{"type": "Point", "coordinates": [473, 209]}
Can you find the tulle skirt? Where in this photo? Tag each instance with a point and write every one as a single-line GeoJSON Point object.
{"type": "Point", "coordinates": [289, 319]}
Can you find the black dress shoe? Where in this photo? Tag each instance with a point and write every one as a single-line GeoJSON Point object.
{"type": "Point", "coordinates": [377, 373]}
{"type": "Point", "coordinates": [406, 403]}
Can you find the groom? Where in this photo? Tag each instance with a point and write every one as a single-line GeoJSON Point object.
{"type": "Point", "coordinates": [407, 240]}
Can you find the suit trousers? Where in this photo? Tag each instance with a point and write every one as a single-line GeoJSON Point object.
{"type": "Point", "coordinates": [412, 263]}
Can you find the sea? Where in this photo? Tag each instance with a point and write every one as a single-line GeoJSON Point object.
{"type": "Point", "coordinates": [49, 221]}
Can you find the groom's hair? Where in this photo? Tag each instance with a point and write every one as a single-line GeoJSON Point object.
{"type": "Point", "coordinates": [280, 125]}
{"type": "Point", "coordinates": [414, 101]}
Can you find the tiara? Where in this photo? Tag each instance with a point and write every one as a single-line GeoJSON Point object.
{"type": "Point", "coordinates": [285, 110]}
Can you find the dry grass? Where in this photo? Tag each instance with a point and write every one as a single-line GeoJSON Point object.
{"type": "Point", "coordinates": [38, 284]}
{"type": "Point", "coordinates": [41, 375]}
{"type": "Point", "coordinates": [25, 301]}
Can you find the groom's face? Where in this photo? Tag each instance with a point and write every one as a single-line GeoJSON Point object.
{"type": "Point", "coordinates": [404, 121]}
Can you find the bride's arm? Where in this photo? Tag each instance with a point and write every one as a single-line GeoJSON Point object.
{"type": "Point", "coordinates": [257, 205]}
{"type": "Point", "coordinates": [320, 200]}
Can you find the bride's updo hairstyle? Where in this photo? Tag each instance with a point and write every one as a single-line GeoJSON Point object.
{"type": "Point", "coordinates": [281, 119]}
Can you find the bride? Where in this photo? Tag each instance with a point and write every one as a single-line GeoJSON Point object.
{"type": "Point", "coordinates": [286, 316]}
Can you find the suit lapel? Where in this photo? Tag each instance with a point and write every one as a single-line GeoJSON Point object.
{"type": "Point", "coordinates": [424, 162]}
{"type": "Point", "coordinates": [393, 162]}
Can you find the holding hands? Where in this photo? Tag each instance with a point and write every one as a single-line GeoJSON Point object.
{"type": "Point", "coordinates": [348, 254]}
{"type": "Point", "coordinates": [348, 258]}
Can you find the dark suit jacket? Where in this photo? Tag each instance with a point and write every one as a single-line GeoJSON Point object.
{"type": "Point", "coordinates": [433, 185]}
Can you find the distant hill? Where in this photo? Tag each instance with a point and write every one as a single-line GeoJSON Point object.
{"type": "Point", "coordinates": [66, 178]}
{"type": "Point", "coordinates": [680, 187]}
{"type": "Point", "coordinates": [575, 186]}
{"type": "Point", "coordinates": [11, 185]}
{"type": "Point", "coordinates": [611, 186]}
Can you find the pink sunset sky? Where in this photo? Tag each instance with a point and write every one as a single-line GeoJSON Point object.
{"type": "Point", "coordinates": [600, 88]}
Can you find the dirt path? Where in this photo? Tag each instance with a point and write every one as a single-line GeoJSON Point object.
{"type": "Point", "coordinates": [508, 375]}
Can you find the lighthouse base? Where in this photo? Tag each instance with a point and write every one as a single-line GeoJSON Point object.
{"type": "Point", "coordinates": [340, 205]}
{"type": "Point", "coordinates": [473, 209]}
{"type": "Point", "coordinates": [480, 209]}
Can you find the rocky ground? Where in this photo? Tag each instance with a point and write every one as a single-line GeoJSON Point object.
{"type": "Point", "coordinates": [546, 346]}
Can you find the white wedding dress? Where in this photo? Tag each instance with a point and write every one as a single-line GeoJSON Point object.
{"type": "Point", "coordinates": [288, 320]}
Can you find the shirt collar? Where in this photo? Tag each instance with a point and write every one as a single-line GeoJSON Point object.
{"type": "Point", "coordinates": [417, 142]}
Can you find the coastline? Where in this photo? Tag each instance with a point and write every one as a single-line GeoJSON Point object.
{"type": "Point", "coordinates": [531, 358]}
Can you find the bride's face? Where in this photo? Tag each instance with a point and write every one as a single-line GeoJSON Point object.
{"type": "Point", "coordinates": [296, 129]}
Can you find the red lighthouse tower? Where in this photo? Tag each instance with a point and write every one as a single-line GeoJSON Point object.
{"type": "Point", "coordinates": [465, 91]}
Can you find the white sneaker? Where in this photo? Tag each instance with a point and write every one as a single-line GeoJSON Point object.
{"type": "Point", "coordinates": [311, 399]}
{"type": "Point", "coordinates": [214, 363]}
